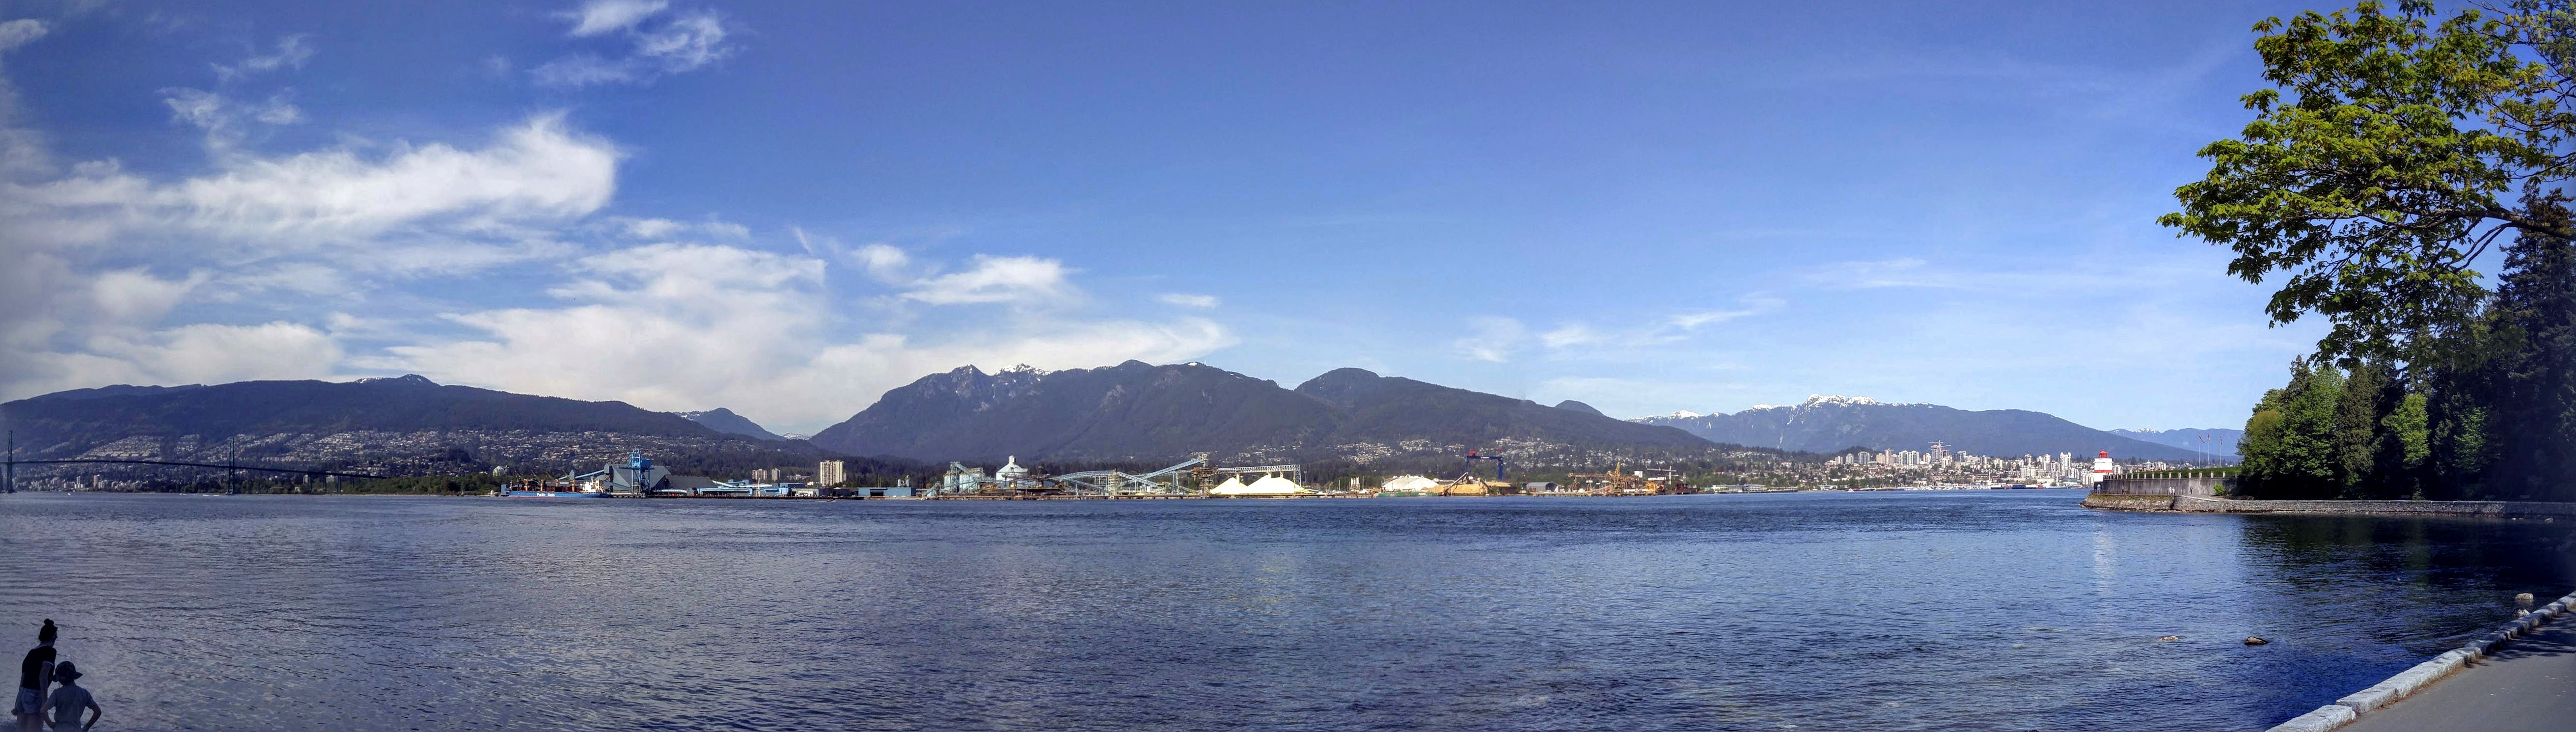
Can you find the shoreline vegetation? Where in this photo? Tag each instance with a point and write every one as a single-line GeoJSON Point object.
{"type": "Point", "coordinates": [2397, 151]}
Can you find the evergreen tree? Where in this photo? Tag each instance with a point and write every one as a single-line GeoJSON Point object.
{"type": "Point", "coordinates": [2534, 375]}
{"type": "Point", "coordinates": [2356, 430]}
{"type": "Point", "coordinates": [2406, 448]}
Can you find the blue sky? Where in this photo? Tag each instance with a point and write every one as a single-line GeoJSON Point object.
{"type": "Point", "coordinates": [787, 209]}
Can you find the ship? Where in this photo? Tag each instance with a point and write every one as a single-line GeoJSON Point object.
{"type": "Point", "coordinates": [638, 477]}
{"type": "Point", "coordinates": [565, 487]}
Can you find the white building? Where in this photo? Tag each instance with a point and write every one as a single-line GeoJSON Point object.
{"type": "Point", "coordinates": [830, 474]}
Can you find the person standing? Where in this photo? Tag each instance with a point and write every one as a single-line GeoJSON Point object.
{"type": "Point", "coordinates": [34, 674]}
{"type": "Point", "coordinates": [69, 700]}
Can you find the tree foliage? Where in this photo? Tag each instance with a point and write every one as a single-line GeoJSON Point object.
{"type": "Point", "coordinates": [2395, 150]}
{"type": "Point", "coordinates": [2391, 154]}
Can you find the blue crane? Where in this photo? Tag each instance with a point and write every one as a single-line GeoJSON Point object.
{"type": "Point", "coordinates": [1472, 457]}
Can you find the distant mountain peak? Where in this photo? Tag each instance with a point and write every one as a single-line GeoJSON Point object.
{"type": "Point", "coordinates": [405, 380]}
{"type": "Point", "coordinates": [724, 420]}
{"type": "Point", "coordinates": [1572, 405]}
{"type": "Point", "coordinates": [1828, 400]}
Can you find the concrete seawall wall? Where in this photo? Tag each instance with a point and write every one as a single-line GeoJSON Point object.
{"type": "Point", "coordinates": [2204, 487]}
{"type": "Point", "coordinates": [2195, 504]}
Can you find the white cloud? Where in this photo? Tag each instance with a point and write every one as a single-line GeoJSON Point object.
{"type": "Point", "coordinates": [216, 114]}
{"type": "Point", "coordinates": [315, 223]}
{"type": "Point", "coordinates": [216, 353]}
{"type": "Point", "coordinates": [291, 52]}
{"type": "Point", "coordinates": [18, 32]}
{"type": "Point", "coordinates": [684, 42]}
{"type": "Point", "coordinates": [277, 111]}
{"type": "Point", "coordinates": [135, 296]}
{"type": "Point", "coordinates": [883, 262]}
{"type": "Point", "coordinates": [687, 43]}
{"type": "Point", "coordinates": [693, 326]}
{"type": "Point", "coordinates": [651, 229]}
{"type": "Point", "coordinates": [1491, 339]}
{"type": "Point", "coordinates": [1187, 300]}
{"type": "Point", "coordinates": [1569, 335]}
{"type": "Point", "coordinates": [538, 172]}
{"type": "Point", "coordinates": [1752, 305]}
{"type": "Point", "coordinates": [203, 109]}
{"type": "Point", "coordinates": [603, 16]}
{"type": "Point", "coordinates": [996, 279]}
{"type": "Point", "coordinates": [579, 70]}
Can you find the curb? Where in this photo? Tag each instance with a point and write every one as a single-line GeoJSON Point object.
{"type": "Point", "coordinates": [2343, 711]}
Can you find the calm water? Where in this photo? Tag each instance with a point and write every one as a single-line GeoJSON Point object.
{"type": "Point", "coordinates": [1877, 611]}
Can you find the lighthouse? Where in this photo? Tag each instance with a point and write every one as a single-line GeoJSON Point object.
{"type": "Point", "coordinates": [2101, 469]}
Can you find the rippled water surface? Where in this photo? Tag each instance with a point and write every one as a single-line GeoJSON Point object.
{"type": "Point", "coordinates": [2004, 610]}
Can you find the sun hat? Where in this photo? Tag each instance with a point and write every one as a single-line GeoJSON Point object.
{"type": "Point", "coordinates": [66, 673]}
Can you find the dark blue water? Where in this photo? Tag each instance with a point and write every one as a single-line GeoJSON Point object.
{"type": "Point", "coordinates": [1877, 611]}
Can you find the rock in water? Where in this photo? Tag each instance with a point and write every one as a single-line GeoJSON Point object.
{"type": "Point", "coordinates": [2169, 639]}
{"type": "Point", "coordinates": [2522, 599]}
{"type": "Point", "coordinates": [2255, 640]}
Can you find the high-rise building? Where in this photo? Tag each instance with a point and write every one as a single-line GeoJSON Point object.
{"type": "Point", "coordinates": [829, 474]}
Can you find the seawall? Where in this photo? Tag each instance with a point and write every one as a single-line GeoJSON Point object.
{"type": "Point", "coordinates": [2379, 696]}
{"type": "Point", "coordinates": [2205, 486]}
{"type": "Point", "coordinates": [2197, 504]}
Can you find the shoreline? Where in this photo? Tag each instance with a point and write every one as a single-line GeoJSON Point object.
{"type": "Point", "coordinates": [2352, 707]}
{"type": "Point", "coordinates": [2197, 504]}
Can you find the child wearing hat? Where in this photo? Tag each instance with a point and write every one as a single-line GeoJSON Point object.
{"type": "Point", "coordinates": [69, 700]}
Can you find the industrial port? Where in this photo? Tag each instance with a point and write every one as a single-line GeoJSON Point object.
{"type": "Point", "coordinates": [1195, 478]}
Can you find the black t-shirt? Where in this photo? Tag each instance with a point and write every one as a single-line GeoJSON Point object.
{"type": "Point", "coordinates": [36, 660]}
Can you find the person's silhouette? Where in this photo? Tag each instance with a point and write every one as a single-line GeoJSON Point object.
{"type": "Point", "coordinates": [33, 675]}
{"type": "Point", "coordinates": [68, 701]}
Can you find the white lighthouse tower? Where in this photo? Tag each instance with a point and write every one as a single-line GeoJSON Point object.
{"type": "Point", "coordinates": [2101, 469]}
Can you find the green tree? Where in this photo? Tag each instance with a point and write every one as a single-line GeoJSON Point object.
{"type": "Point", "coordinates": [2390, 155]}
{"type": "Point", "coordinates": [2403, 453]}
{"type": "Point", "coordinates": [2259, 450]}
{"type": "Point", "coordinates": [2295, 454]}
{"type": "Point", "coordinates": [2533, 376]}
{"type": "Point", "coordinates": [2356, 430]}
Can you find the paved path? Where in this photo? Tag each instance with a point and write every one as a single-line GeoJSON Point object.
{"type": "Point", "coordinates": [2528, 685]}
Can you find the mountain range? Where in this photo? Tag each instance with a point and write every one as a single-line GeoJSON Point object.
{"type": "Point", "coordinates": [1834, 423]}
{"type": "Point", "coordinates": [400, 425]}
{"type": "Point", "coordinates": [1139, 411]}
{"type": "Point", "coordinates": [1128, 413]}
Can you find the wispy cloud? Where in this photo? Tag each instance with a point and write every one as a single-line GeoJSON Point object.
{"type": "Point", "coordinates": [1491, 339]}
{"type": "Point", "coordinates": [18, 32]}
{"type": "Point", "coordinates": [993, 279]}
{"type": "Point", "coordinates": [605, 16]}
{"type": "Point", "coordinates": [291, 52]}
{"type": "Point", "coordinates": [1187, 300]}
{"type": "Point", "coordinates": [658, 44]}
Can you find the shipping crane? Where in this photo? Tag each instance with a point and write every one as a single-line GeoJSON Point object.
{"type": "Point", "coordinates": [1472, 457]}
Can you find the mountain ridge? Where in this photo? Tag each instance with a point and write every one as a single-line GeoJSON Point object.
{"type": "Point", "coordinates": [1138, 411]}
{"type": "Point", "coordinates": [1825, 423]}
{"type": "Point", "coordinates": [398, 425]}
